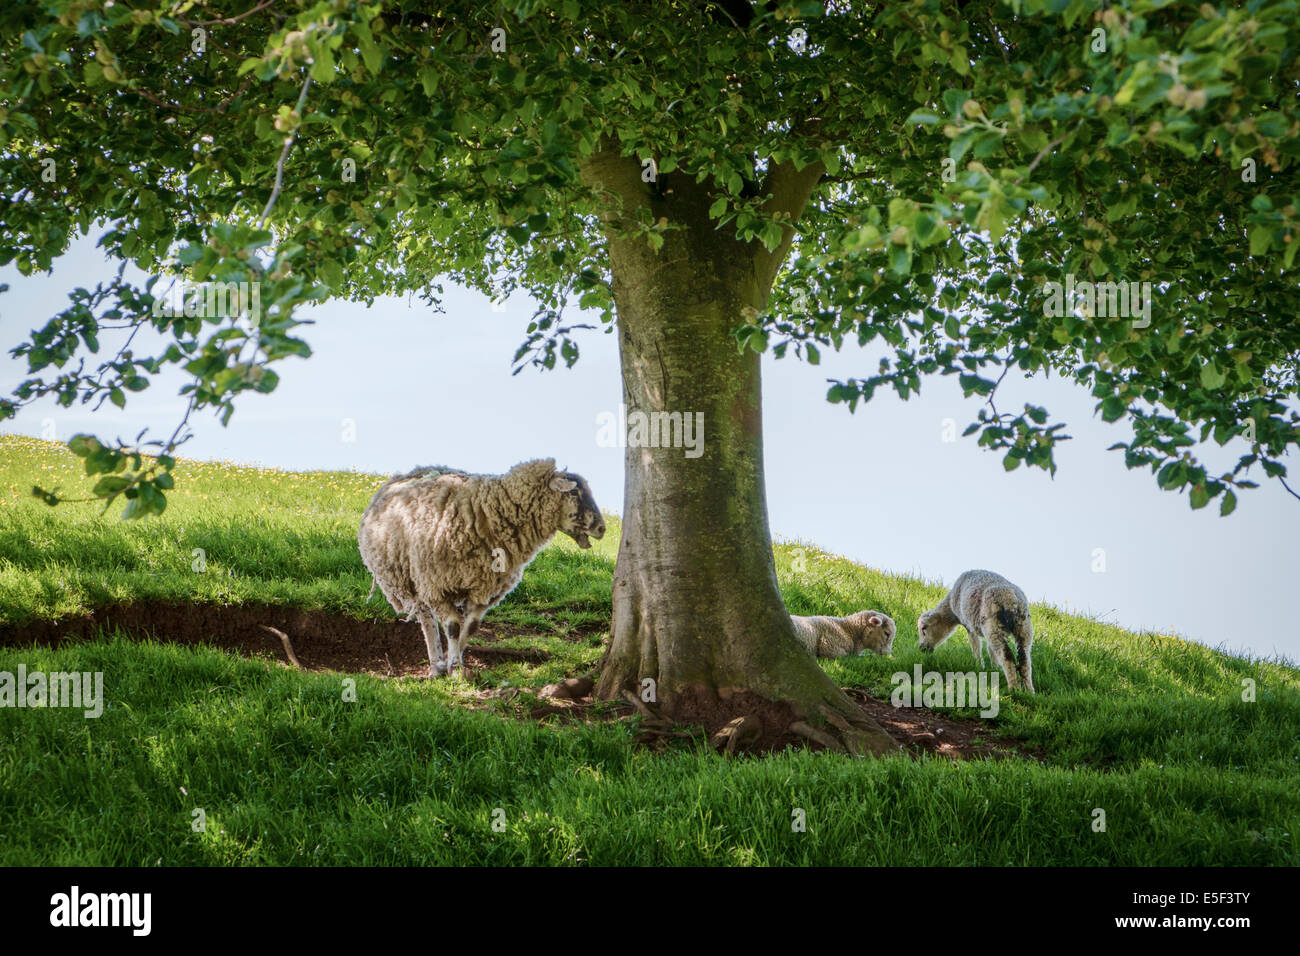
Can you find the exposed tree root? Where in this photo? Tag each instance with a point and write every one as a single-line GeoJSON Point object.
{"type": "Point", "coordinates": [288, 647]}
{"type": "Point", "coordinates": [654, 727]}
{"type": "Point", "coordinates": [861, 735]}
{"type": "Point", "coordinates": [739, 734]}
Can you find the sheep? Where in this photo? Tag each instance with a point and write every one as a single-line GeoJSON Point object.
{"type": "Point", "coordinates": [444, 546]}
{"type": "Point", "coordinates": [993, 611]}
{"type": "Point", "coordinates": [841, 636]}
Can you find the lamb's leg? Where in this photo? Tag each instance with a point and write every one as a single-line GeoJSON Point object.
{"type": "Point", "coordinates": [432, 641]}
{"type": "Point", "coordinates": [1025, 641]}
{"type": "Point", "coordinates": [466, 629]}
{"type": "Point", "coordinates": [976, 648]}
{"type": "Point", "coordinates": [1001, 654]}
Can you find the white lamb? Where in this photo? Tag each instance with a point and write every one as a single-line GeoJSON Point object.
{"type": "Point", "coordinates": [840, 636]}
{"type": "Point", "coordinates": [993, 611]}
{"type": "Point", "coordinates": [444, 545]}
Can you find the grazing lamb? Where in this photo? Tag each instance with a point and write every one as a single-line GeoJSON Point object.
{"type": "Point", "coordinates": [841, 636]}
{"type": "Point", "coordinates": [993, 611]}
{"type": "Point", "coordinates": [445, 546]}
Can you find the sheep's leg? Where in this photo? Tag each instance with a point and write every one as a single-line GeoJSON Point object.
{"type": "Point", "coordinates": [453, 648]}
{"type": "Point", "coordinates": [432, 641]}
{"type": "Point", "coordinates": [998, 647]}
{"type": "Point", "coordinates": [1025, 640]}
{"type": "Point", "coordinates": [976, 648]}
{"type": "Point", "coordinates": [456, 646]}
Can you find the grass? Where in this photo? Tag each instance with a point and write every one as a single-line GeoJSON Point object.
{"type": "Point", "coordinates": [1148, 728]}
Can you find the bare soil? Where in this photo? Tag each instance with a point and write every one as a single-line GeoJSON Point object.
{"type": "Point", "coordinates": [323, 640]}
{"type": "Point", "coordinates": [330, 641]}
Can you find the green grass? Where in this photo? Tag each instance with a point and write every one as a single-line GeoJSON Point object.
{"type": "Point", "coordinates": [1149, 728]}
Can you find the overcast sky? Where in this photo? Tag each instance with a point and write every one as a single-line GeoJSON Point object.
{"type": "Point", "coordinates": [881, 486]}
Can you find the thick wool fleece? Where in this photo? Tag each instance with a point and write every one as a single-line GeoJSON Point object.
{"type": "Point", "coordinates": [453, 541]}
{"type": "Point", "coordinates": [841, 636]}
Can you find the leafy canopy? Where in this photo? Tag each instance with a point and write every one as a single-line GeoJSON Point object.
{"type": "Point", "coordinates": [977, 155]}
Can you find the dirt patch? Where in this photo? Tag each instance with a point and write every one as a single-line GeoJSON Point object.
{"type": "Point", "coordinates": [923, 731]}
{"type": "Point", "coordinates": [770, 719]}
{"type": "Point", "coordinates": [330, 641]}
{"type": "Point", "coordinates": [322, 640]}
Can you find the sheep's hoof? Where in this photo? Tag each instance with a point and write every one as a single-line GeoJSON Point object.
{"type": "Point", "coordinates": [437, 670]}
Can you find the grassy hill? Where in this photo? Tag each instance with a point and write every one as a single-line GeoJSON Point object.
{"type": "Point", "coordinates": [1149, 728]}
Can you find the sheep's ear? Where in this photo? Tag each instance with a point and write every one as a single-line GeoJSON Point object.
{"type": "Point", "coordinates": [875, 621]}
{"type": "Point", "coordinates": [562, 484]}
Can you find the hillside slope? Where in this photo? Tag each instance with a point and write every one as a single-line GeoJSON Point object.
{"type": "Point", "coordinates": [1150, 729]}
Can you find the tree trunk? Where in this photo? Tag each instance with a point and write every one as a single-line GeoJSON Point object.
{"type": "Point", "coordinates": [697, 609]}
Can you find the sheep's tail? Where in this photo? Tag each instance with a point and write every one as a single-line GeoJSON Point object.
{"type": "Point", "coordinates": [1009, 619]}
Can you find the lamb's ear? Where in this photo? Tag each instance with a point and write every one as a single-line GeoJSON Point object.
{"type": "Point", "coordinates": [562, 484]}
{"type": "Point", "coordinates": [875, 621]}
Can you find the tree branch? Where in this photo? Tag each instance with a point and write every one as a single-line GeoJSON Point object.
{"type": "Point", "coordinates": [789, 190]}
{"type": "Point", "coordinates": [284, 154]}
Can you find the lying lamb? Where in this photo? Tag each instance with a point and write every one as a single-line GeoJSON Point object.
{"type": "Point", "coordinates": [993, 611]}
{"type": "Point", "coordinates": [445, 546]}
{"type": "Point", "coordinates": [841, 636]}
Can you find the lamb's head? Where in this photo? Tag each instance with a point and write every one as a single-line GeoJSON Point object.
{"type": "Point", "coordinates": [931, 631]}
{"type": "Point", "coordinates": [874, 632]}
{"type": "Point", "coordinates": [580, 516]}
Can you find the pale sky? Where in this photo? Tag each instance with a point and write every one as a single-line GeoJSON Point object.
{"type": "Point", "coordinates": [880, 486]}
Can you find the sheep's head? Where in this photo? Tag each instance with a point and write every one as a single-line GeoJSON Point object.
{"type": "Point", "coordinates": [580, 517]}
{"type": "Point", "coordinates": [930, 631]}
{"type": "Point", "coordinates": [875, 633]}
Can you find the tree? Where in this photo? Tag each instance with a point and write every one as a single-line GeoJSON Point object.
{"type": "Point", "coordinates": [1106, 192]}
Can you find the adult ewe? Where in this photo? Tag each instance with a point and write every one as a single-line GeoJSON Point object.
{"type": "Point", "coordinates": [994, 611]}
{"type": "Point", "coordinates": [445, 546]}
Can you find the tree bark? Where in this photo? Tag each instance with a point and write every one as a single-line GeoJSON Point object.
{"type": "Point", "coordinates": [697, 609]}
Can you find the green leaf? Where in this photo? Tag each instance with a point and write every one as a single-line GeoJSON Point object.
{"type": "Point", "coordinates": [900, 260]}
{"type": "Point", "coordinates": [1113, 408]}
{"type": "Point", "coordinates": [1261, 237]}
{"type": "Point", "coordinates": [428, 81]}
{"type": "Point", "coordinates": [924, 117]}
{"type": "Point", "coordinates": [322, 67]}
{"type": "Point", "coordinates": [1229, 504]}
{"type": "Point", "coordinates": [101, 461]}
{"type": "Point", "coordinates": [83, 445]}
{"type": "Point", "coordinates": [373, 56]}
{"type": "Point", "coordinates": [110, 485]}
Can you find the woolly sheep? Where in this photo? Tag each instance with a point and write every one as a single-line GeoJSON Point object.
{"type": "Point", "coordinates": [993, 611]}
{"type": "Point", "coordinates": [841, 636]}
{"type": "Point", "coordinates": [445, 546]}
